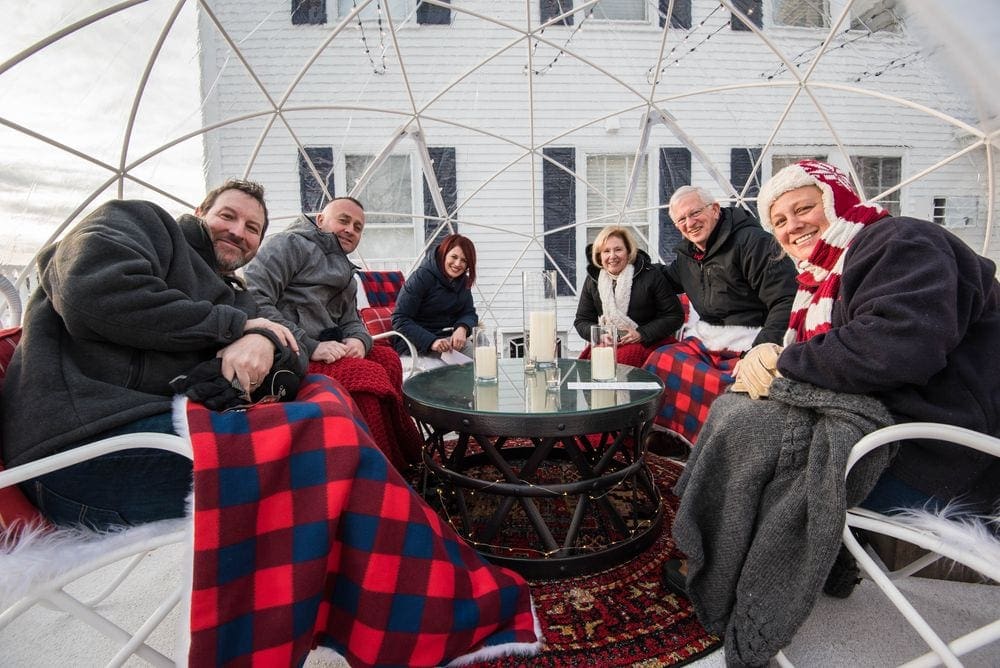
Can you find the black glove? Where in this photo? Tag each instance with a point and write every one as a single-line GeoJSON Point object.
{"type": "Point", "coordinates": [206, 384]}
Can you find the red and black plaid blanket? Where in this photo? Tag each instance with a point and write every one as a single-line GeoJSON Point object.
{"type": "Point", "coordinates": [306, 536]}
{"type": "Point", "coordinates": [694, 376]}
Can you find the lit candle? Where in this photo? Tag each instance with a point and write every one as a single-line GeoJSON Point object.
{"type": "Point", "coordinates": [486, 362]}
{"type": "Point", "coordinates": [602, 363]}
{"type": "Point", "coordinates": [542, 336]}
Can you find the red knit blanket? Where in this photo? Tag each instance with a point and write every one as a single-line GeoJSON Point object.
{"type": "Point", "coordinates": [305, 535]}
{"type": "Point", "coordinates": [375, 383]}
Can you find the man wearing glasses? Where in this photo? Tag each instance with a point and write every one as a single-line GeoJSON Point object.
{"type": "Point", "coordinates": [740, 288]}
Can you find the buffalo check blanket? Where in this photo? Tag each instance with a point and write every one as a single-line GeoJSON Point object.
{"type": "Point", "coordinates": [306, 536]}
{"type": "Point", "coordinates": [694, 376]}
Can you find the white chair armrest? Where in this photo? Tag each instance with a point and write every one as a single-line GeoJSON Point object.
{"type": "Point", "coordinates": [409, 344]}
{"type": "Point", "coordinates": [922, 430]}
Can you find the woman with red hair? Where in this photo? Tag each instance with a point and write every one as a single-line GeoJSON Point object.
{"type": "Point", "coordinates": [434, 309]}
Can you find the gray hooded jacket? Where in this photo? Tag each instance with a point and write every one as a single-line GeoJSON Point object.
{"type": "Point", "coordinates": [302, 278]}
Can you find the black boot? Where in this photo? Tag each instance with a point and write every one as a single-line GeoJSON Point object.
{"type": "Point", "coordinates": [844, 575]}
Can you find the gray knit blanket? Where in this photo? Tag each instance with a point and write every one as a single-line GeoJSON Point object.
{"type": "Point", "coordinates": [763, 503]}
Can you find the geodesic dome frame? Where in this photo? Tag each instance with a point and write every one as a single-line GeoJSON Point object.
{"type": "Point", "coordinates": [525, 125]}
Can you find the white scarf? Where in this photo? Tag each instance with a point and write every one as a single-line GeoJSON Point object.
{"type": "Point", "coordinates": [615, 294]}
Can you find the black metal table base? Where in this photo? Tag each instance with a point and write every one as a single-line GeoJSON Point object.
{"type": "Point", "coordinates": [602, 512]}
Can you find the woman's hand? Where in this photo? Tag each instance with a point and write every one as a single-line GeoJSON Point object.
{"type": "Point", "coordinates": [458, 338]}
{"type": "Point", "coordinates": [629, 336]}
{"type": "Point", "coordinates": [441, 345]}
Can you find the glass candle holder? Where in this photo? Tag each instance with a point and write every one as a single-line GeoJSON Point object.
{"type": "Point", "coordinates": [603, 352]}
{"type": "Point", "coordinates": [539, 290]}
{"type": "Point", "coordinates": [484, 342]}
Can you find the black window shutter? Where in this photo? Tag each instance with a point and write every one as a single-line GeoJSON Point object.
{"type": "Point", "coordinates": [433, 14]}
{"type": "Point", "coordinates": [445, 173]}
{"type": "Point", "coordinates": [681, 17]}
{"type": "Point", "coordinates": [559, 209]}
{"type": "Point", "coordinates": [306, 12]}
{"type": "Point", "coordinates": [675, 171]}
{"type": "Point", "coordinates": [550, 9]}
{"type": "Point", "coordinates": [310, 191]}
{"type": "Point", "coordinates": [753, 9]}
{"type": "Point", "coordinates": [741, 161]}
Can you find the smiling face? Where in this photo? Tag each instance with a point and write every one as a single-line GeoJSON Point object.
{"type": "Point", "coordinates": [799, 220]}
{"type": "Point", "coordinates": [614, 255]}
{"type": "Point", "coordinates": [236, 224]}
{"type": "Point", "coordinates": [455, 263]}
{"type": "Point", "coordinates": [344, 219]}
{"type": "Point", "coordinates": [694, 219]}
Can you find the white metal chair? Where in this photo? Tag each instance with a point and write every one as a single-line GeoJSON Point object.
{"type": "Point", "coordinates": [943, 538]}
{"type": "Point", "coordinates": [40, 565]}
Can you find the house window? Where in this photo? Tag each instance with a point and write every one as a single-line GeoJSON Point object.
{"type": "Point", "coordinates": [315, 172]}
{"type": "Point", "coordinates": [956, 210]}
{"type": "Point", "coordinates": [388, 201]}
{"type": "Point", "coordinates": [779, 162]}
{"type": "Point", "coordinates": [400, 9]}
{"type": "Point", "coordinates": [940, 205]}
{"type": "Point", "coordinates": [802, 13]}
{"type": "Point", "coordinates": [306, 12]}
{"type": "Point", "coordinates": [875, 15]}
{"type": "Point", "coordinates": [620, 10]}
{"type": "Point", "coordinates": [877, 175]}
{"type": "Point", "coordinates": [609, 175]}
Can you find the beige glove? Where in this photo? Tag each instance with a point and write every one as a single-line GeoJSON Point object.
{"type": "Point", "coordinates": [757, 370]}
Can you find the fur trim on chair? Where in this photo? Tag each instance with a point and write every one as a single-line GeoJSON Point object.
{"type": "Point", "coordinates": [39, 555]}
{"type": "Point", "coordinates": [978, 535]}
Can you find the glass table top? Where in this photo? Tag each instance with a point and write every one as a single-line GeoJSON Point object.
{"type": "Point", "coordinates": [527, 393]}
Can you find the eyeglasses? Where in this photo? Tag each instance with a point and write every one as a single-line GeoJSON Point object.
{"type": "Point", "coordinates": [683, 220]}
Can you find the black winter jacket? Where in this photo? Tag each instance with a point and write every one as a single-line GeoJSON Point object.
{"type": "Point", "coordinates": [127, 301]}
{"type": "Point", "coordinates": [743, 279]}
{"type": "Point", "coordinates": [917, 326]}
{"type": "Point", "coordinates": [431, 305]}
{"type": "Point", "coordinates": [652, 305]}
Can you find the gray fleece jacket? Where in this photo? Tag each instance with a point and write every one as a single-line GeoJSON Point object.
{"type": "Point", "coordinates": [127, 300]}
{"type": "Point", "coordinates": [302, 278]}
{"type": "Point", "coordinates": [763, 503]}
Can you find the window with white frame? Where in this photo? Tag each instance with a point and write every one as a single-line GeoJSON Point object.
{"type": "Point", "coordinates": [878, 174]}
{"type": "Point", "coordinates": [875, 15]}
{"type": "Point", "coordinates": [779, 162]}
{"type": "Point", "coordinates": [956, 210]}
{"type": "Point", "coordinates": [608, 176]}
{"type": "Point", "coordinates": [620, 10]}
{"type": "Point", "coordinates": [801, 13]}
{"type": "Point", "coordinates": [399, 8]}
{"type": "Point", "coordinates": [388, 200]}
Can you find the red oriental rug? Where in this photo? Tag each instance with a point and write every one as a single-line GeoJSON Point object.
{"type": "Point", "coordinates": [621, 616]}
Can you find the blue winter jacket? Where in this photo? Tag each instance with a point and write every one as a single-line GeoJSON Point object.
{"type": "Point", "coordinates": [431, 305]}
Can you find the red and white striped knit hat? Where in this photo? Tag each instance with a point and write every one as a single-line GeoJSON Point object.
{"type": "Point", "coordinates": [819, 275]}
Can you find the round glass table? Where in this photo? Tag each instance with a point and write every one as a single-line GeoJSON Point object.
{"type": "Point", "coordinates": [539, 473]}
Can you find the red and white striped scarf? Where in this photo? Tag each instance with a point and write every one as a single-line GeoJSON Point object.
{"type": "Point", "coordinates": [819, 275]}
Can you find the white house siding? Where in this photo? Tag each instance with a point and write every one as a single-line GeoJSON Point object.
{"type": "Point", "coordinates": [504, 215]}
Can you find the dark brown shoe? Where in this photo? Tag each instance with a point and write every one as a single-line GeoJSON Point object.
{"type": "Point", "coordinates": [666, 443]}
{"type": "Point", "coordinates": [672, 579]}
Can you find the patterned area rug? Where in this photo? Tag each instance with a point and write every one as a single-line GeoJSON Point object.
{"type": "Point", "coordinates": [621, 616]}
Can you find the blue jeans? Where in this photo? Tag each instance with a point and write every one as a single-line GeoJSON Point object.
{"type": "Point", "coordinates": [120, 489]}
{"type": "Point", "coordinates": [891, 493]}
